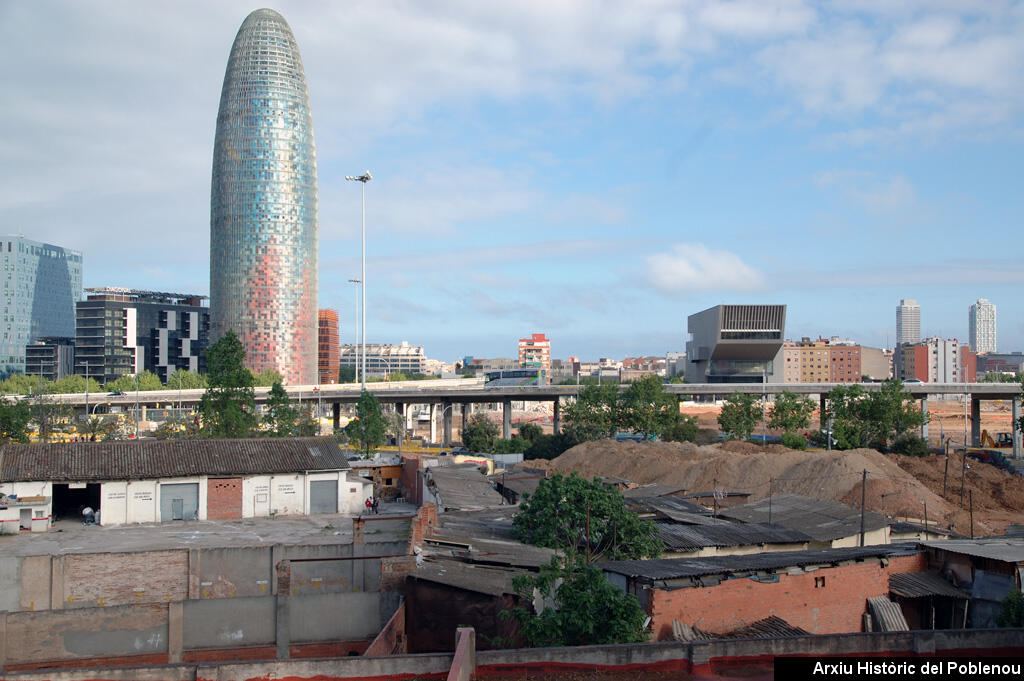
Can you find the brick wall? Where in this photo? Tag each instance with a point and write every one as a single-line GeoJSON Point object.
{"type": "Point", "coordinates": [104, 579]}
{"type": "Point", "coordinates": [824, 601]}
{"type": "Point", "coordinates": [422, 525]}
{"type": "Point", "coordinates": [223, 498]}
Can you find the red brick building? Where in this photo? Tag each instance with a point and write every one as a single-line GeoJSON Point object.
{"type": "Point", "coordinates": [821, 591]}
{"type": "Point", "coordinates": [328, 347]}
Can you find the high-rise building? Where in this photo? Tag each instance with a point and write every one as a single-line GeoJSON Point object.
{"type": "Point", "coordinates": [981, 320]}
{"type": "Point", "coordinates": [908, 322]}
{"type": "Point", "coordinates": [124, 331]}
{"type": "Point", "coordinates": [535, 353]}
{"type": "Point", "coordinates": [263, 206]}
{"type": "Point", "coordinates": [42, 283]}
{"type": "Point", "coordinates": [328, 348]}
{"type": "Point", "coordinates": [51, 357]}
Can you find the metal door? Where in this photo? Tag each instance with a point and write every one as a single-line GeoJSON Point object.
{"type": "Point", "coordinates": [323, 496]}
{"type": "Point", "coordinates": [26, 519]}
{"type": "Point", "coordinates": [179, 501]}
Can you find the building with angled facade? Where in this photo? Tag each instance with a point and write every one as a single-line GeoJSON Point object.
{"type": "Point", "coordinates": [41, 284]}
{"type": "Point", "coordinates": [263, 205]}
{"type": "Point", "coordinates": [736, 344]}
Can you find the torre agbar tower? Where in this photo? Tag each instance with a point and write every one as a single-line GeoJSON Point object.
{"type": "Point", "coordinates": [263, 205]}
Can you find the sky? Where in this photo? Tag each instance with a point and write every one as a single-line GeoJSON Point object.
{"type": "Point", "coordinates": [596, 171]}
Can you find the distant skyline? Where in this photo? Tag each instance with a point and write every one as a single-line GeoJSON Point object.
{"type": "Point", "coordinates": [594, 173]}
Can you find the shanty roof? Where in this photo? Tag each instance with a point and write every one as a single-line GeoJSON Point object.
{"type": "Point", "coordinates": [678, 537]}
{"type": "Point", "coordinates": [461, 487]}
{"type": "Point", "coordinates": [520, 483]}
{"type": "Point", "coordinates": [484, 537]}
{"type": "Point", "coordinates": [919, 584]}
{"type": "Point", "coordinates": [886, 614]}
{"type": "Point", "coordinates": [1005, 549]}
{"type": "Point", "coordinates": [743, 565]}
{"type": "Point", "coordinates": [149, 459]}
{"type": "Point", "coordinates": [821, 520]}
{"type": "Point", "coordinates": [491, 581]}
{"type": "Point", "coordinates": [663, 504]}
{"type": "Point", "coordinates": [653, 490]}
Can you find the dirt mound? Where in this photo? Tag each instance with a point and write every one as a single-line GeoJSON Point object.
{"type": "Point", "coordinates": [891, 490]}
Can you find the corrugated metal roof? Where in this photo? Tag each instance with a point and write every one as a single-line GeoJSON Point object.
{"type": "Point", "coordinates": [150, 459]}
{"type": "Point", "coordinates": [822, 520]}
{"type": "Point", "coordinates": [462, 487]}
{"type": "Point", "coordinates": [1005, 549]}
{"type": "Point", "coordinates": [652, 491]}
{"type": "Point", "coordinates": [664, 503]}
{"type": "Point", "coordinates": [693, 537]}
{"type": "Point", "coordinates": [769, 627]}
{"type": "Point", "coordinates": [886, 615]}
{"type": "Point", "coordinates": [679, 568]}
{"type": "Point", "coordinates": [919, 584]}
{"type": "Point", "coordinates": [490, 581]}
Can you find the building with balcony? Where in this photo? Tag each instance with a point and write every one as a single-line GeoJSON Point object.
{"type": "Point", "coordinates": [126, 331]}
{"type": "Point", "coordinates": [52, 357]}
{"type": "Point", "coordinates": [535, 353]}
{"type": "Point", "coordinates": [981, 322]}
{"type": "Point", "coordinates": [328, 363]}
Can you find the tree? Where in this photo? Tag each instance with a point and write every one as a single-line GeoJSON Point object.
{"type": "Point", "coordinates": [479, 434]}
{"type": "Point", "coordinates": [595, 413]}
{"type": "Point", "coordinates": [74, 384]}
{"type": "Point", "coordinates": [790, 412]}
{"type": "Point", "coordinates": [739, 414]}
{"type": "Point", "coordinates": [584, 517]}
{"type": "Point", "coordinates": [14, 420]}
{"type": "Point", "coordinates": [185, 379]}
{"type": "Point", "coordinates": [575, 605]}
{"type": "Point", "coordinates": [514, 445]}
{"type": "Point", "coordinates": [346, 375]}
{"type": "Point", "coordinates": [228, 406]}
{"type": "Point", "coordinates": [863, 419]}
{"type": "Point", "coordinates": [20, 384]}
{"type": "Point", "coordinates": [549, 446]}
{"type": "Point", "coordinates": [368, 428]}
{"type": "Point", "coordinates": [645, 407]}
{"type": "Point", "coordinates": [48, 414]}
{"type": "Point", "coordinates": [147, 380]}
{"type": "Point", "coordinates": [1011, 614]}
{"type": "Point", "coordinates": [530, 432]}
{"type": "Point", "coordinates": [279, 415]}
{"type": "Point", "coordinates": [265, 378]}
{"type": "Point", "coordinates": [681, 428]}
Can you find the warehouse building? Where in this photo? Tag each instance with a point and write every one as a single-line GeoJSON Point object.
{"type": "Point", "coordinates": [147, 481]}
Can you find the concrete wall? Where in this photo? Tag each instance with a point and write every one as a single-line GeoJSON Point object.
{"type": "Point", "coordinates": [334, 617]}
{"type": "Point", "coordinates": [238, 623]}
{"type": "Point", "coordinates": [85, 580]}
{"type": "Point", "coordinates": [822, 601]}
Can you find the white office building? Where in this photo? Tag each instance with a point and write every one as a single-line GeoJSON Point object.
{"type": "Point", "coordinates": [981, 320]}
{"type": "Point", "coordinates": [908, 322]}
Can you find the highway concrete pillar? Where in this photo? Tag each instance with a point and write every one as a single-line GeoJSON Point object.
{"type": "Point", "coordinates": [336, 415]}
{"type": "Point", "coordinates": [556, 419]}
{"type": "Point", "coordinates": [408, 419]}
{"type": "Point", "coordinates": [400, 410]}
{"type": "Point", "coordinates": [466, 408]}
{"type": "Point", "coordinates": [446, 421]}
{"type": "Point", "coordinates": [924, 412]}
{"type": "Point", "coordinates": [822, 407]}
{"type": "Point", "coordinates": [1015, 430]}
{"type": "Point", "coordinates": [975, 421]}
{"type": "Point", "coordinates": [433, 423]}
{"type": "Point", "coordinates": [506, 419]}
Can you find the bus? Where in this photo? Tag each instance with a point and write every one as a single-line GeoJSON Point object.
{"type": "Point", "coordinates": [515, 377]}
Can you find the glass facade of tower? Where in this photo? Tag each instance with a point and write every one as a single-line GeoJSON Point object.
{"type": "Point", "coordinates": [41, 284]}
{"type": "Point", "coordinates": [263, 207]}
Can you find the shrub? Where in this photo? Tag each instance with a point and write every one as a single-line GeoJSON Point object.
{"type": "Point", "coordinates": [911, 445]}
{"type": "Point", "coordinates": [794, 441]}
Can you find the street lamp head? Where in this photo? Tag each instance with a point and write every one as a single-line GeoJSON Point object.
{"type": "Point", "coordinates": [364, 178]}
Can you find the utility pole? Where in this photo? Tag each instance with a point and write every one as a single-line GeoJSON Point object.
{"type": "Point", "coordinates": [863, 500]}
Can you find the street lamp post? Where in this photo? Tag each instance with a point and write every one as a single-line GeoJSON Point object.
{"type": "Point", "coordinates": [86, 391]}
{"type": "Point", "coordinates": [364, 178]}
{"type": "Point", "coordinates": [356, 343]}
{"type": "Point", "coordinates": [136, 406]}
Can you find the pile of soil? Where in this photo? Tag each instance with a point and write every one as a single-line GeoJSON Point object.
{"type": "Point", "coordinates": [892, 489]}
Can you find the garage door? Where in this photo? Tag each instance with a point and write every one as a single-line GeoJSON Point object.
{"type": "Point", "coordinates": [323, 496]}
{"type": "Point", "coordinates": [179, 501]}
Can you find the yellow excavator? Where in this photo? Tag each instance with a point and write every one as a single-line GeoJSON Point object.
{"type": "Point", "coordinates": [1002, 440]}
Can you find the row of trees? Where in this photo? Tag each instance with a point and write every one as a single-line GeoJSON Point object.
{"type": "Point", "coordinates": [643, 408]}
{"type": "Point", "coordinates": [21, 384]}
{"type": "Point", "coordinates": [882, 419]}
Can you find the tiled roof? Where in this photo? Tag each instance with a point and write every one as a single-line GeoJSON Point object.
{"type": "Point", "coordinates": [149, 459]}
{"type": "Point", "coordinates": [822, 520]}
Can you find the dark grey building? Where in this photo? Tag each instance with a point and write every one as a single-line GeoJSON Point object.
{"type": "Point", "coordinates": [124, 331]}
{"type": "Point", "coordinates": [52, 357]}
{"type": "Point", "coordinates": [734, 343]}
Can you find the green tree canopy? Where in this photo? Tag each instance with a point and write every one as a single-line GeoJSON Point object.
{"type": "Point", "coordinates": [1011, 613]}
{"type": "Point", "coordinates": [739, 414]}
{"type": "Point", "coordinates": [530, 431]}
{"type": "Point", "coordinates": [367, 430]}
{"type": "Point", "coordinates": [584, 517]}
{"type": "Point", "coordinates": [479, 434]}
{"type": "Point", "coordinates": [187, 380]}
{"type": "Point", "coordinates": [279, 415]}
{"type": "Point", "coordinates": [147, 380]}
{"type": "Point", "coordinates": [595, 413]}
{"type": "Point", "coordinates": [871, 419]}
{"type": "Point", "coordinates": [14, 420]}
{"type": "Point", "coordinates": [265, 378]}
{"type": "Point", "coordinates": [575, 605]}
{"type": "Point", "coordinates": [790, 412]}
{"type": "Point", "coordinates": [74, 384]}
{"type": "Point", "coordinates": [646, 408]}
{"type": "Point", "coordinates": [228, 406]}
{"type": "Point", "coordinates": [21, 384]}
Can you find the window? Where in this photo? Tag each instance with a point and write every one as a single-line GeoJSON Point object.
{"type": "Point", "coordinates": [819, 582]}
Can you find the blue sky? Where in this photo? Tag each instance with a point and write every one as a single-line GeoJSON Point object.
{"type": "Point", "coordinates": [596, 171]}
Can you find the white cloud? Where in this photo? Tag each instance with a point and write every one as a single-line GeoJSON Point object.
{"type": "Point", "coordinates": [757, 18]}
{"type": "Point", "coordinates": [695, 267]}
{"type": "Point", "coordinates": [873, 192]}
